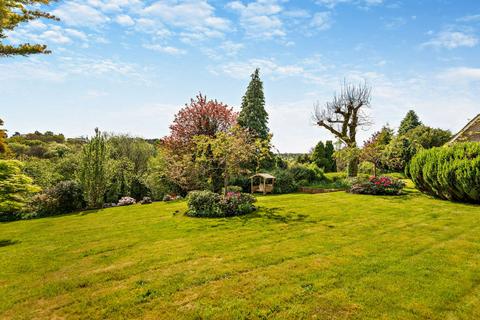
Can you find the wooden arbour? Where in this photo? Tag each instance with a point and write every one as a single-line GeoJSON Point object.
{"type": "Point", "coordinates": [262, 182]}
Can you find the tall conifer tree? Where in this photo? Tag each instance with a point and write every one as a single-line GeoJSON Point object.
{"type": "Point", "coordinates": [329, 151]}
{"type": "Point", "coordinates": [253, 115]}
{"type": "Point", "coordinates": [318, 155]}
{"type": "Point", "coordinates": [411, 121]}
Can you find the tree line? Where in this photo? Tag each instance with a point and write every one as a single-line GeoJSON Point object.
{"type": "Point", "coordinates": [209, 145]}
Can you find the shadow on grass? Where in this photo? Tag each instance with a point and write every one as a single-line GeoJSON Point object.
{"type": "Point", "coordinates": [33, 216]}
{"type": "Point", "coordinates": [7, 242]}
{"type": "Point", "coordinates": [272, 214]}
{"type": "Point", "coordinates": [75, 213]}
{"type": "Point", "coordinates": [406, 195]}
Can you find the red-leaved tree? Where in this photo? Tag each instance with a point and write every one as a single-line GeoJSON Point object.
{"type": "Point", "coordinates": [200, 117]}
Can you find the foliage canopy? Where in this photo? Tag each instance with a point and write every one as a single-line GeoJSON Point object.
{"type": "Point", "coordinates": [15, 187]}
{"type": "Point", "coordinates": [15, 12]}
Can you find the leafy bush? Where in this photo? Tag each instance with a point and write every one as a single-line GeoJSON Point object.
{"type": "Point", "coordinates": [366, 168]}
{"type": "Point", "coordinates": [284, 182]}
{"type": "Point", "coordinates": [236, 203]}
{"type": "Point", "coordinates": [204, 204]}
{"type": "Point", "coordinates": [209, 204]}
{"type": "Point", "coordinates": [450, 173]}
{"type": "Point", "coordinates": [310, 173]}
{"type": "Point", "coordinates": [15, 187]}
{"type": "Point", "coordinates": [64, 197]}
{"type": "Point", "coordinates": [139, 188]}
{"type": "Point", "coordinates": [377, 186]}
{"type": "Point", "coordinates": [342, 176]}
{"type": "Point", "coordinates": [43, 172]}
{"type": "Point", "coordinates": [126, 201]}
{"type": "Point", "coordinates": [242, 181]}
{"type": "Point", "coordinates": [335, 176]}
{"type": "Point", "coordinates": [237, 189]}
{"type": "Point", "coordinates": [395, 175]}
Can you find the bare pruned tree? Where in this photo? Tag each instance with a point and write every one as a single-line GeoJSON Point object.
{"type": "Point", "coordinates": [345, 114]}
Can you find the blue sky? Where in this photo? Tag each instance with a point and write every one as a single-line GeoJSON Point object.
{"type": "Point", "coordinates": [129, 65]}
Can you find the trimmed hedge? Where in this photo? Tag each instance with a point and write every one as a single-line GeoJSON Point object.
{"type": "Point", "coordinates": [450, 173]}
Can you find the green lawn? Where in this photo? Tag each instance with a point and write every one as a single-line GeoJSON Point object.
{"type": "Point", "coordinates": [324, 256]}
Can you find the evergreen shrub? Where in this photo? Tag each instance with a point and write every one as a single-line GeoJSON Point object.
{"type": "Point", "coordinates": [450, 173]}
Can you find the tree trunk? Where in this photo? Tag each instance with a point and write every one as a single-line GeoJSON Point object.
{"type": "Point", "coordinates": [225, 185]}
{"type": "Point", "coordinates": [353, 167]}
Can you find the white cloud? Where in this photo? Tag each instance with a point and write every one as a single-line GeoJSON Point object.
{"type": "Point", "coordinates": [67, 67]}
{"type": "Point", "coordinates": [151, 26]}
{"type": "Point", "coordinates": [331, 3]}
{"type": "Point", "coordinates": [115, 5]}
{"type": "Point", "coordinates": [297, 13]}
{"type": "Point", "coordinates": [227, 49]}
{"type": "Point", "coordinates": [470, 18]}
{"type": "Point", "coordinates": [321, 21]}
{"type": "Point", "coordinates": [196, 19]}
{"type": "Point", "coordinates": [361, 3]}
{"type": "Point", "coordinates": [41, 33]}
{"type": "Point", "coordinates": [260, 18]}
{"type": "Point", "coordinates": [165, 49]}
{"type": "Point", "coordinates": [96, 93]}
{"type": "Point", "coordinates": [452, 40]}
{"type": "Point", "coordinates": [124, 20]}
{"type": "Point", "coordinates": [395, 23]}
{"type": "Point", "coordinates": [268, 67]}
{"type": "Point", "coordinates": [37, 25]}
{"type": "Point", "coordinates": [186, 14]}
{"type": "Point", "coordinates": [373, 2]}
{"type": "Point", "coordinates": [231, 48]}
{"type": "Point", "coordinates": [31, 69]}
{"type": "Point", "coordinates": [461, 74]}
{"type": "Point", "coordinates": [100, 67]}
{"type": "Point", "coordinates": [76, 14]}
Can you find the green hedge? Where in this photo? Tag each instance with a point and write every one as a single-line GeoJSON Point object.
{"type": "Point", "coordinates": [451, 173]}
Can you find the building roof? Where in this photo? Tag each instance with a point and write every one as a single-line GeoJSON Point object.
{"type": "Point", "coordinates": [470, 133]}
{"type": "Point", "coordinates": [263, 175]}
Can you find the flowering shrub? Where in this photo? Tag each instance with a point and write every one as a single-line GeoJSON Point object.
{"type": "Point", "coordinates": [64, 197]}
{"type": "Point", "coordinates": [146, 200]}
{"type": "Point", "coordinates": [378, 186]}
{"type": "Point", "coordinates": [126, 201]}
{"type": "Point", "coordinates": [210, 204]}
{"type": "Point", "coordinates": [171, 197]}
{"type": "Point", "coordinates": [236, 203]}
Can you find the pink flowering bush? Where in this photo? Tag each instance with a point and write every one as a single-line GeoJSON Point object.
{"type": "Point", "coordinates": [378, 186]}
{"type": "Point", "coordinates": [236, 203]}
